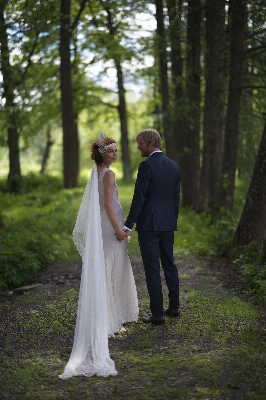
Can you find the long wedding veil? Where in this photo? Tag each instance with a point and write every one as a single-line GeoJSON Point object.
{"type": "Point", "coordinates": [90, 352]}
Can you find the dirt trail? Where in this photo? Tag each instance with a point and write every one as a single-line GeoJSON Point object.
{"type": "Point", "coordinates": [216, 350]}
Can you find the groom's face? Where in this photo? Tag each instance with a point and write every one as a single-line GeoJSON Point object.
{"type": "Point", "coordinates": [144, 148]}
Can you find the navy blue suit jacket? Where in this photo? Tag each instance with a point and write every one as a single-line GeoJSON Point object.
{"type": "Point", "coordinates": [155, 203]}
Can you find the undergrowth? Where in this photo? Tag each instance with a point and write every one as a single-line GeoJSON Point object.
{"type": "Point", "coordinates": [39, 222]}
{"type": "Point", "coordinates": [251, 272]}
{"type": "Point", "coordinates": [38, 228]}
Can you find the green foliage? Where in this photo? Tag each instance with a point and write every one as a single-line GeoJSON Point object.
{"type": "Point", "coordinates": [253, 274]}
{"type": "Point", "coordinates": [38, 228]}
{"type": "Point", "coordinates": [13, 184]}
{"type": "Point", "coordinates": [45, 183]}
{"type": "Point", "coordinates": [193, 233]}
{"type": "Point", "coordinates": [197, 235]}
{"type": "Point", "coordinates": [40, 220]}
{"type": "Point", "coordinates": [222, 233]}
{"type": "Point", "coordinates": [17, 266]}
{"type": "Point", "coordinates": [248, 254]}
{"type": "Point", "coordinates": [24, 247]}
{"type": "Point", "coordinates": [32, 182]}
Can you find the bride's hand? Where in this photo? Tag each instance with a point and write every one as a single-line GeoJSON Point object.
{"type": "Point", "coordinates": [121, 235]}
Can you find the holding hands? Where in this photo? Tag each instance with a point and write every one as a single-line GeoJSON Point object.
{"type": "Point", "coordinates": [121, 234]}
{"type": "Point", "coordinates": [126, 231]}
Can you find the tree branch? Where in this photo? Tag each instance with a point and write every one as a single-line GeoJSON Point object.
{"type": "Point", "coordinates": [253, 87]}
{"type": "Point", "coordinates": [250, 50]}
{"type": "Point", "coordinates": [111, 27]}
{"type": "Point", "coordinates": [255, 33]}
{"type": "Point", "coordinates": [77, 18]}
{"type": "Point", "coordinates": [108, 104]}
{"type": "Point", "coordinates": [94, 21]}
{"type": "Point", "coordinates": [30, 56]}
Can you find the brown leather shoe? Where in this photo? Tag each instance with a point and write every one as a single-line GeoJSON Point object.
{"type": "Point", "coordinates": [171, 312]}
{"type": "Point", "coordinates": [153, 320]}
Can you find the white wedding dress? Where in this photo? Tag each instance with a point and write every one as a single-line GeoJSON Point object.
{"type": "Point", "coordinates": [108, 296]}
{"type": "Point", "coordinates": [122, 302]}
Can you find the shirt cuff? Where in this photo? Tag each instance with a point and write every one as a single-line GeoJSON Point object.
{"type": "Point", "coordinates": [125, 227]}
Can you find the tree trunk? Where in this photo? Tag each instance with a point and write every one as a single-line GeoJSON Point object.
{"type": "Point", "coordinates": [69, 117]}
{"type": "Point", "coordinates": [161, 43]}
{"type": "Point", "coordinates": [262, 257]}
{"type": "Point", "coordinates": [252, 224]}
{"type": "Point", "coordinates": [122, 108]}
{"type": "Point", "coordinates": [177, 110]}
{"type": "Point", "coordinates": [233, 106]}
{"type": "Point", "coordinates": [2, 225]}
{"type": "Point", "coordinates": [127, 174]}
{"type": "Point", "coordinates": [14, 176]}
{"type": "Point", "coordinates": [47, 150]}
{"type": "Point", "coordinates": [191, 151]}
{"type": "Point", "coordinates": [210, 174]}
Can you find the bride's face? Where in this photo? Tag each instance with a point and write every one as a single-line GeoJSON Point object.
{"type": "Point", "coordinates": [110, 156]}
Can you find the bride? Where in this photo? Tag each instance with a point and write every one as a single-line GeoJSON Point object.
{"type": "Point", "coordinates": [108, 296]}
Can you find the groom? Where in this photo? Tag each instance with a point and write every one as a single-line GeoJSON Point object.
{"type": "Point", "coordinates": [154, 209]}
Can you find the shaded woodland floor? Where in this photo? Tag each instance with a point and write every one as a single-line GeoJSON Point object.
{"type": "Point", "coordinates": [215, 350]}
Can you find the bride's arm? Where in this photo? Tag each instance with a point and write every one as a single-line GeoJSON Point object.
{"type": "Point", "coordinates": [109, 183]}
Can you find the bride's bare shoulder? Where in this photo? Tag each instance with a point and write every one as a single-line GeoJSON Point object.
{"type": "Point", "coordinates": [109, 176]}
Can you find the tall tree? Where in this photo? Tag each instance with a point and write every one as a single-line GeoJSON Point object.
{"type": "Point", "coordinates": [262, 256]}
{"type": "Point", "coordinates": [252, 224]}
{"type": "Point", "coordinates": [161, 47]}
{"type": "Point", "coordinates": [114, 44]}
{"type": "Point", "coordinates": [122, 108]}
{"type": "Point", "coordinates": [239, 20]}
{"type": "Point", "coordinates": [190, 165]}
{"type": "Point", "coordinates": [210, 173]}
{"type": "Point", "coordinates": [177, 108]}
{"type": "Point", "coordinates": [69, 117]}
{"type": "Point", "coordinates": [253, 99]}
{"type": "Point", "coordinates": [2, 225]}
{"type": "Point", "coordinates": [9, 86]}
{"type": "Point", "coordinates": [27, 49]}
{"type": "Point", "coordinates": [47, 149]}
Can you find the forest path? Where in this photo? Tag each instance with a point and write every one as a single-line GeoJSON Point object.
{"type": "Point", "coordinates": [215, 350]}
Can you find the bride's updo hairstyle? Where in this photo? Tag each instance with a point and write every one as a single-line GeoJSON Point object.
{"type": "Point", "coordinates": [99, 146]}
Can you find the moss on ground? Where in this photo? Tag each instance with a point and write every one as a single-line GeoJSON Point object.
{"type": "Point", "coordinates": [215, 350]}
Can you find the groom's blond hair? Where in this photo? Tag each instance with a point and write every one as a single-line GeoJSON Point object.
{"type": "Point", "coordinates": [150, 136]}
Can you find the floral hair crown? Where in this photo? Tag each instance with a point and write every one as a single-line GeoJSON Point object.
{"type": "Point", "coordinates": [101, 142]}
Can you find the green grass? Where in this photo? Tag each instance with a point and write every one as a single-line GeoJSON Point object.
{"type": "Point", "coordinates": [215, 350]}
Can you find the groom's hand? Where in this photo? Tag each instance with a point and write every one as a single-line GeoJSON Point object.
{"type": "Point", "coordinates": [121, 235]}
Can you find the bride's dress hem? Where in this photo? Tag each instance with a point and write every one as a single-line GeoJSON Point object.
{"type": "Point", "coordinates": [100, 373]}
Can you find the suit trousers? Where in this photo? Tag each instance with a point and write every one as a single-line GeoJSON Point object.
{"type": "Point", "coordinates": [156, 246]}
